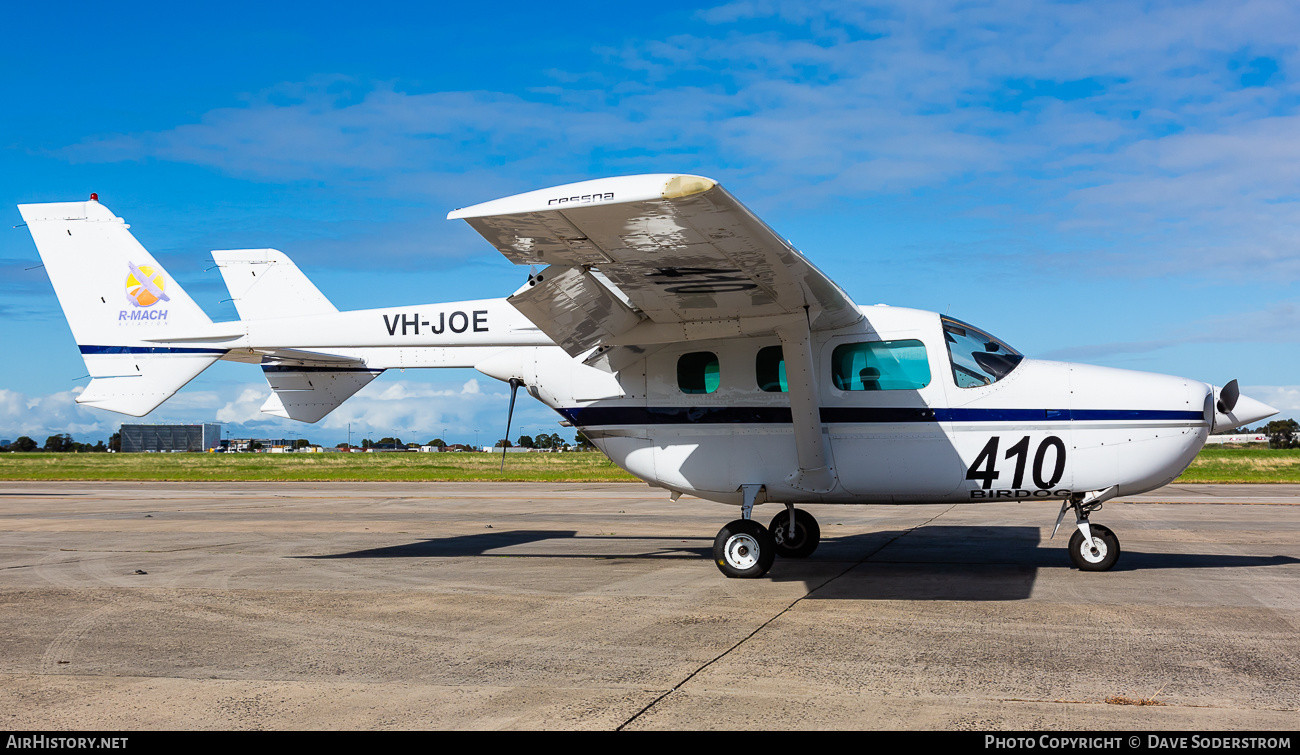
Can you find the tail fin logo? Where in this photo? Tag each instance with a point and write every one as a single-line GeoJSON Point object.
{"type": "Point", "coordinates": [144, 287]}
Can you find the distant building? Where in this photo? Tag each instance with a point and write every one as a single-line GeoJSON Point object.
{"type": "Point", "coordinates": [1240, 438]}
{"type": "Point", "coordinates": [142, 438]}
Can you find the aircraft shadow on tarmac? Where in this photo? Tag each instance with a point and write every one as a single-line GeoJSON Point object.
{"type": "Point", "coordinates": [929, 563]}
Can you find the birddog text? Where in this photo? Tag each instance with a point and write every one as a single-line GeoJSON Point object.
{"type": "Point", "coordinates": [40, 741]}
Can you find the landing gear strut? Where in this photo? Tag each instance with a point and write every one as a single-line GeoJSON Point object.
{"type": "Point", "coordinates": [1093, 547]}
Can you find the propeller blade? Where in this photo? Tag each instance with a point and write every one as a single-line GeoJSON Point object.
{"type": "Point", "coordinates": [1228, 397]}
{"type": "Point", "coordinates": [514, 388]}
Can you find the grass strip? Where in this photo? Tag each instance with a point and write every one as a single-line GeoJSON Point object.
{"type": "Point", "coordinates": [1214, 464]}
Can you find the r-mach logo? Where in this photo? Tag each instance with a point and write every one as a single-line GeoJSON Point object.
{"type": "Point", "coordinates": [582, 199]}
{"type": "Point", "coordinates": [144, 286]}
{"type": "Point", "coordinates": [457, 322]}
{"type": "Point", "coordinates": [144, 289]}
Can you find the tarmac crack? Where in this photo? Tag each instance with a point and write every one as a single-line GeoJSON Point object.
{"type": "Point", "coordinates": [778, 615]}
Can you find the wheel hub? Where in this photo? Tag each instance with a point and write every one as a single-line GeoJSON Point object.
{"type": "Point", "coordinates": [741, 551]}
{"type": "Point", "coordinates": [1096, 554]}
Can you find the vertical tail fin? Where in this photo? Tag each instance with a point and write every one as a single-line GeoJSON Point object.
{"type": "Point", "coordinates": [264, 283]}
{"type": "Point", "coordinates": [115, 295]}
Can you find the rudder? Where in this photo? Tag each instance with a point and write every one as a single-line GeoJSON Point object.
{"type": "Point", "coordinates": [119, 303]}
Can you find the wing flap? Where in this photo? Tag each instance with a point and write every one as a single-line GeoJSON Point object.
{"type": "Point", "coordinates": [574, 309]}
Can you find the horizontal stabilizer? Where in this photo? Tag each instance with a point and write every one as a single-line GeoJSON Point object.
{"type": "Point", "coordinates": [135, 382]}
{"type": "Point", "coordinates": [264, 284]}
{"type": "Point", "coordinates": [309, 393]}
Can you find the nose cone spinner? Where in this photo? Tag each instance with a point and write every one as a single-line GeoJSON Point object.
{"type": "Point", "coordinates": [1231, 409]}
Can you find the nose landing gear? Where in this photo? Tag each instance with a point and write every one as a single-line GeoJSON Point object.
{"type": "Point", "coordinates": [1093, 547]}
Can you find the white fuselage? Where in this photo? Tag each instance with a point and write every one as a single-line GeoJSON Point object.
{"type": "Point", "coordinates": [1047, 430]}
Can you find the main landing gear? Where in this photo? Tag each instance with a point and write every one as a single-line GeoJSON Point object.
{"type": "Point", "coordinates": [745, 549]}
{"type": "Point", "coordinates": [1093, 547]}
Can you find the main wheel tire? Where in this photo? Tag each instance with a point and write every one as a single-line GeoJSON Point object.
{"type": "Point", "coordinates": [744, 549]}
{"type": "Point", "coordinates": [807, 535]}
{"type": "Point", "coordinates": [1105, 554]}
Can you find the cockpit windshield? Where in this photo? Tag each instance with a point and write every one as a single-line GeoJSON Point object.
{"type": "Point", "coordinates": [977, 357]}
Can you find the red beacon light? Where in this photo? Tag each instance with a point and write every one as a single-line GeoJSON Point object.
{"type": "Point", "coordinates": [94, 197]}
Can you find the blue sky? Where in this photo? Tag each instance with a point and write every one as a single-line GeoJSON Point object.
{"type": "Point", "coordinates": [1109, 182]}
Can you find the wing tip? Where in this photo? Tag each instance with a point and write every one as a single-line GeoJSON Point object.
{"type": "Point", "coordinates": [687, 185]}
{"type": "Point", "coordinates": [599, 191]}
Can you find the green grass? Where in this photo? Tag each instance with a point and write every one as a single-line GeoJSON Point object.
{"type": "Point", "coordinates": [414, 467]}
{"type": "Point", "coordinates": [1216, 464]}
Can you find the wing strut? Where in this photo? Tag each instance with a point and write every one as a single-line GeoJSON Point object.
{"type": "Point", "coordinates": [815, 474]}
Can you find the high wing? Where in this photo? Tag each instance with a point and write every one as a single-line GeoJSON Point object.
{"type": "Point", "coordinates": [650, 259]}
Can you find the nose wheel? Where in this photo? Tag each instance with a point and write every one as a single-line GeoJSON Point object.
{"type": "Point", "coordinates": [1102, 554]}
{"type": "Point", "coordinates": [744, 549]}
{"type": "Point", "coordinates": [1093, 547]}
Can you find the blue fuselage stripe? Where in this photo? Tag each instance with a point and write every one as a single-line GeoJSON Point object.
{"type": "Point", "coordinates": [147, 350]}
{"type": "Point", "coordinates": [593, 416]}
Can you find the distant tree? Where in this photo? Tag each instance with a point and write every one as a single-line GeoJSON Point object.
{"type": "Point", "coordinates": [342, 445]}
{"type": "Point", "coordinates": [1283, 433]}
{"type": "Point", "coordinates": [439, 442]}
{"type": "Point", "coordinates": [255, 446]}
{"type": "Point", "coordinates": [391, 442]}
{"type": "Point", "coordinates": [23, 443]}
{"type": "Point", "coordinates": [115, 442]}
{"type": "Point", "coordinates": [551, 441]}
{"type": "Point", "coordinates": [100, 447]}
{"type": "Point", "coordinates": [301, 443]}
{"type": "Point", "coordinates": [582, 441]}
{"type": "Point", "coordinates": [58, 443]}
{"type": "Point", "coordinates": [503, 443]}
{"type": "Point", "coordinates": [366, 443]}
{"type": "Point", "coordinates": [526, 441]}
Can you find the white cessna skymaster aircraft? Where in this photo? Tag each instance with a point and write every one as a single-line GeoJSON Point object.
{"type": "Point", "coordinates": [692, 344]}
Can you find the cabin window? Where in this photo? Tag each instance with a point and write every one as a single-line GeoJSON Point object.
{"type": "Point", "coordinates": [769, 368]}
{"type": "Point", "coordinates": [977, 357]}
{"type": "Point", "coordinates": [697, 372]}
{"type": "Point", "coordinates": [880, 366]}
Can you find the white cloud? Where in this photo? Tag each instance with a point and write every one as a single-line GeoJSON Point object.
{"type": "Point", "coordinates": [1284, 398]}
{"type": "Point", "coordinates": [1102, 119]}
{"type": "Point", "coordinates": [413, 409]}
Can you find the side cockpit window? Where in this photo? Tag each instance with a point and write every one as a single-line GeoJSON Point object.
{"type": "Point", "coordinates": [880, 366]}
{"type": "Point", "coordinates": [977, 357]}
